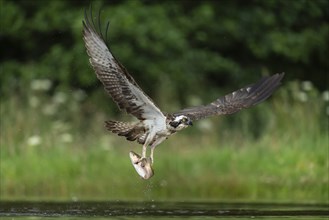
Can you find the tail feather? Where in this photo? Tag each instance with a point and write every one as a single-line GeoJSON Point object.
{"type": "Point", "coordinates": [131, 131]}
{"type": "Point", "coordinates": [118, 127]}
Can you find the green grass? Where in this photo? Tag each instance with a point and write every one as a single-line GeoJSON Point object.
{"type": "Point", "coordinates": [255, 172]}
{"type": "Point", "coordinates": [75, 159]}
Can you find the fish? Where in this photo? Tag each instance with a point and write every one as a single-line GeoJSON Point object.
{"type": "Point", "coordinates": [143, 166]}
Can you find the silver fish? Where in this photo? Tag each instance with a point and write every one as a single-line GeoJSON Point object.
{"type": "Point", "coordinates": [143, 166]}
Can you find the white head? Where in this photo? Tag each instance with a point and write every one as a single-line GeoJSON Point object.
{"type": "Point", "coordinates": [180, 122]}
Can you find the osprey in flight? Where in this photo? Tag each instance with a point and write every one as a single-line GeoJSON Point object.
{"type": "Point", "coordinates": [153, 125]}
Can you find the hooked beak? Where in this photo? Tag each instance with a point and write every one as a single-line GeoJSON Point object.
{"type": "Point", "coordinates": [190, 123]}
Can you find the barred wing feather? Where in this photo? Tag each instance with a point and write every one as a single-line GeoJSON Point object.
{"type": "Point", "coordinates": [237, 100]}
{"type": "Point", "coordinates": [116, 80]}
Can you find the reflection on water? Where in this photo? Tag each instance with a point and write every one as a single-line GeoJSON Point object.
{"type": "Point", "coordinates": [161, 209]}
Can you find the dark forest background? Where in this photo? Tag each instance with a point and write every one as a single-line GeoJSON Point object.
{"type": "Point", "coordinates": [215, 45]}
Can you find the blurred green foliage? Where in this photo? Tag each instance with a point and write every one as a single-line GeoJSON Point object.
{"type": "Point", "coordinates": [181, 53]}
{"type": "Point", "coordinates": [176, 44]}
{"type": "Point", "coordinates": [57, 149]}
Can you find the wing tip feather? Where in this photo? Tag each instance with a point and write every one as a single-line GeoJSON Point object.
{"type": "Point", "coordinates": [237, 100]}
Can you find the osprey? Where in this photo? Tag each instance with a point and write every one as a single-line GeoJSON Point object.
{"type": "Point", "coordinates": [153, 125]}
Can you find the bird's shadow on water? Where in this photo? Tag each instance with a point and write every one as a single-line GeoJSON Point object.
{"type": "Point", "coordinates": [162, 209]}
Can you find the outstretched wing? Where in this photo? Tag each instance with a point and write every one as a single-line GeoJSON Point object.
{"type": "Point", "coordinates": [235, 101]}
{"type": "Point", "coordinates": [116, 80]}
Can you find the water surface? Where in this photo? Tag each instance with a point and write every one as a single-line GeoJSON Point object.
{"type": "Point", "coordinates": [139, 210]}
